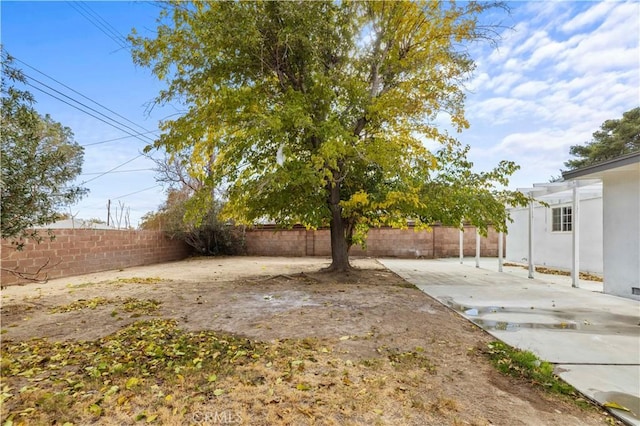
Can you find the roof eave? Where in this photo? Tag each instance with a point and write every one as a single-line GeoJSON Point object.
{"type": "Point", "coordinates": [603, 166]}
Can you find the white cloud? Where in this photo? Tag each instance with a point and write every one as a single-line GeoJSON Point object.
{"type": "Point", "coordinates": [529, 89]}
{"type": "Point", "coordinates": [590, 16]}
{"type": "Point", "coordinates": [502, 83]}
{"type": "Point", "coordinates": [567, 68]}
{"type": "Point", "coordinates": [478, 82]}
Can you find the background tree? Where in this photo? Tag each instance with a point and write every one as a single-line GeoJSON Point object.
{"type": "Point", "coordinates": [316, 112]}
{"type": "Point", "coordinates": [205, 232]}
{"type": "Point", "coordinates": [40, 160]}
{"type": "Point", "coordinates": [615, 138]}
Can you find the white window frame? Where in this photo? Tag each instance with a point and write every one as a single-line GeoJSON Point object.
{"type": "Point", "coordinates": [565, 215]}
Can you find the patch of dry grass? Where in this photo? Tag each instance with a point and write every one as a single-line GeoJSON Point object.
{"type": "Point", "coordinates": [153, 372]}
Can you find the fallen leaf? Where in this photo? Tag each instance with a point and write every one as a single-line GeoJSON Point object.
{"type": "Point", "coordinates": [610, 404]}
{"type": "Point", "coordinates": [95, 409]}
{"type": "Point", "coordinates": [112, 390]}
{"type": "Point", "coordinates": [303, 387]}
{"type": "Point", "coordinates": [132, 382]}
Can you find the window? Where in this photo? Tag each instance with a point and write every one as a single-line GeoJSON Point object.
{"type": "Point", "coordinates": [561, 219]}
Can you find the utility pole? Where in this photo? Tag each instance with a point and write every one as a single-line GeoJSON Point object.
{"type": "Point", "coordinates": [108, 211]}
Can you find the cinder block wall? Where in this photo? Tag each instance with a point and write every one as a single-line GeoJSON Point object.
{"type": "Point", "coordinates": [82, 251]}
{"type": "Point", "coordinates": [441, 241]}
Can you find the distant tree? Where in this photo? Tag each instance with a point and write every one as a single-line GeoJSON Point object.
{"type": "Point", "coordinates": [205, 232]}
{"type": "Point", "coordinates": [317, 112]}
{"type": "Point", "coordinates": [615, 138]}
{"type": "Point", "coordinates": [96, 220]}
{"type": "Point", "coordinates": [40, 160]}
{"type": "Point", "coordinates": [208, 235]}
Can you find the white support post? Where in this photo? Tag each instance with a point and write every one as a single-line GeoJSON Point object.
{"type": "Point", "coordinates": [477, 248]}
{"type": "Point", "coordinates": [575, 233]}
{"type": "Point", "coordinates": [461, 243]}
{"type": "Point", "coordinates": [500, 250]}
{"type": "Point", "coordinates": [530, 259]}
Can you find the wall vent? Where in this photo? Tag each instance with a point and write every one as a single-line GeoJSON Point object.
{"type": "Point", "coordinates": [635, 290]}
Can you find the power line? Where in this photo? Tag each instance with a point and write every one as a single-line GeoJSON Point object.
{"type": "Point", "coordinates": [106, 23]}
{"type": "Point", "coordinates": [88, 113]}
{"type": "Point", "coordinates": [78, 93]}
{"type": "Point", "coordinates": [111, 170]}
{"type": "Point", "coordinates": [86, 106]}
{"type": "Point", "coordinates": [98, 25]}
{"type": "Point", "coordinates": [119, 171]}
{"type": "Point", "coordinates": [136, 192]}
{"type": "Point", "coordinates": [117, 139]}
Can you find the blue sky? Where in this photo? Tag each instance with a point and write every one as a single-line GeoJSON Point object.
{"type": "Point", "coordinates": [557, 74]}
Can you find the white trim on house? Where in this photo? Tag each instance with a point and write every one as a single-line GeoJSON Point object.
{"type": "Point", "coordinates": [605, 231]}
{"type": "Point", "coordinates": [621, 221]}
{"type": "Point", "coordinates": [541, 245]}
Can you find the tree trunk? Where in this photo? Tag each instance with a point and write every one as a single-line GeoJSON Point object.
{"type": "Point", "coordinates": [339, 247]}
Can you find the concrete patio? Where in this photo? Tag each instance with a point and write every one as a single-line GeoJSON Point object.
{"type": "Point", "coordinates": [592, 338]}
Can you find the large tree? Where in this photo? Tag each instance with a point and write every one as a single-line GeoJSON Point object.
{"type": "Point", "coordinates": [40, 160]}
{"type": "Point", "coordinates": [317, 112]}
{"type": "Point", "coordinates": [615, 138]}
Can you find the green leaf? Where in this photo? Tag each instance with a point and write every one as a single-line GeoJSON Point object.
{"type": "Point", "coordinates": [112, 390]}
{"type": "Point", "coordinates": [218, 392]}
{"type": "Point", "coordinates": [212, 378]}
{"type": "Point", "coordinates": [95, 409]}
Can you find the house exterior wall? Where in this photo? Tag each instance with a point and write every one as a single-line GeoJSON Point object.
{"type": "Point", "coordinates": [621, 194]}
{"type": "Point", "coordinates": [554, 249]}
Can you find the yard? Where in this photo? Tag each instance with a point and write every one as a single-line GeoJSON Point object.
{"type": "Point", "coordinates": [254, 341]}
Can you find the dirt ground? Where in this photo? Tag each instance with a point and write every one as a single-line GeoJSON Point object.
{"type": "Point", "coordinates": [361, 323]}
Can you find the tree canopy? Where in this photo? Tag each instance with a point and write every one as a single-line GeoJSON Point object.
{"type": "Point", "coordinates": [40, 160]}
{"type": "Point", "coordinates": [615, 138]}
{"type": "Point", "coordinates": [318, 112]}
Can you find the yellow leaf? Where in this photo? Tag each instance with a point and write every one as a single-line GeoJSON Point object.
{"type": "Point", "coordinates": [132, 382]}
{"type": "Point", "coordinates": [617, 406]}
{"type": "Point", "coordinates": [152, 418]}
{"type": "Point", "coordinates": [303, 386]}
{"type": "Point", "coordinates": [168, 398]}
{"type": "Point", "coordinates": [218, 392]}
{"type": "Point", "coordinates": [378, 411]}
